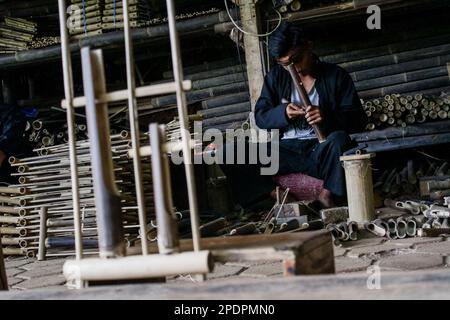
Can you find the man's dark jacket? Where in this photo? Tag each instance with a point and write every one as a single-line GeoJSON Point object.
{"type": "Point", "coordinates": [338, 100]}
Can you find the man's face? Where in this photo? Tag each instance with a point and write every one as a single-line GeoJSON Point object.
{"type": "Point", "coordinates": [296, 55]}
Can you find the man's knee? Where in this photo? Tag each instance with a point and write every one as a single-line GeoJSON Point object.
{"type": "Point", "coordinates": [339, 140]}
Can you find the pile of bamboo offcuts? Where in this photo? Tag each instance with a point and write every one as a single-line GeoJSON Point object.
{"type": "Point", "coordinates": [47, 181]}
{"type": "Point", "coordinates": [397, 110]}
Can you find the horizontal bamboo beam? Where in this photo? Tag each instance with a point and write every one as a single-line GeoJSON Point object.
{"type": "Point", "coordinates": [141, 92]}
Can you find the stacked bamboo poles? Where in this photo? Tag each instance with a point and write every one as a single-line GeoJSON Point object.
{"type": "Point", "coordinates": [16, 34]}
{"type": "Point", "coordinates": [46, 179]}
{"type": "Point", "coordinates": [397, 110]}
{"type": "Point", "coordinates": [44, 41]}
{"type": "Point", "coordinates": [87, 17]}
{"type": "Point", "coordinates": [139, 14]}
{"type": "Point", "coordinates": [13, 222]}
{"type": "Point", "coordinates": [221, 87]}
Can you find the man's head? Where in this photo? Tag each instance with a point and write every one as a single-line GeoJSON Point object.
{"type": "Point", "coordinates": [289, 44]}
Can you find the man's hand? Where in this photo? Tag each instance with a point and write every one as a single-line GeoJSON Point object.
{"type": "Point", "coordinates": [293, 111]}
{"type": "Point", "coordinates": [313, 115]}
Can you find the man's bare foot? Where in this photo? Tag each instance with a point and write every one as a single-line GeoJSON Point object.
{"type": "Point", "coordinates": [326, 199]}
{"type": "Point", "coordinates": [289, 198]}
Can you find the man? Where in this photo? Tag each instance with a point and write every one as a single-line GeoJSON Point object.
{"type": "Point", "coordinates": [336, 109]}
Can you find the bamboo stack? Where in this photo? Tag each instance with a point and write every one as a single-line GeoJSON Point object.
{"type": "Point", "coordinates": [44, 41]}
{"type": "Point", "coordinates": [45, 132]}
{"type": "Point", "coordinates": [222, 89]}
{"type": "Point", "coordinates": [397, 110]}
{"type": "Point", "coordinates": [46, 179]}
{"type": "Point", "coordinates": [12, 223]}
{"type": "Point", "coordinates": [89, 15]}
{"type": "Point", "coordinates": [112, 19]}
{"type": "Point", "coordinates": [16, 35]}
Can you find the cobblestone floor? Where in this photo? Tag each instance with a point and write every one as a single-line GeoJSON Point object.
{"type": "Point", "coordinates": [352, 257]}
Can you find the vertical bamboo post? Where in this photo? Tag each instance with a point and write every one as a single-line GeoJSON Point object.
{"type": "Point", "coordinates": [42, 233]}
{"type": "Point", "coordinates": [184, 125]}
{"type": "Point", "coordinates": [134, 125]}
{"type": "Point", "coordinates": [358, 178]}
{"type": "Point", "coordinates": [107, 198]}
{"type": "Point", "coordinates": [68, 92]}
{"type": "Point", "coordinates": [167, 230]}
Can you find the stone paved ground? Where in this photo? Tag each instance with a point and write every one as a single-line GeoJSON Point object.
{"type": "Point", "coordinates": [410, 254]}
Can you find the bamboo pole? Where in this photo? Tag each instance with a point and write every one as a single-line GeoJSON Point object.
{"type": "Point", "coordinates": [138, 267]}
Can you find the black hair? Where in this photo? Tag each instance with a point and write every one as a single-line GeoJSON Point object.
{"type": "Point", "coordinates": [285, 38]}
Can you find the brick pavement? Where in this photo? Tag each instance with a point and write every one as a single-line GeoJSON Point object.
{"type": "Point", "coordinates": [350, 257]}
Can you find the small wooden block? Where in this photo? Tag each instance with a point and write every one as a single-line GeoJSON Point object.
{"type": "Point", "coordinates": [308, 252]}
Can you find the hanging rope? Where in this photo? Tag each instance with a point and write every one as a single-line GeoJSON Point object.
{"type": "Point", "coordinates": [84, 16]}
{"type": "Point", "coordinates": [114, 14]}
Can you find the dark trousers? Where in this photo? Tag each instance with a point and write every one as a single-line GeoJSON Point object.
{"type": "Point", "coordinates": [319, 160]}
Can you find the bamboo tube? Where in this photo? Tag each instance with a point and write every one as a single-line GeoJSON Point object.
{"type": "Point", "coordinates": [358, 174]}
{"type": "Point", "coordinates": [42, 233]}
{"type": "Point", "coordinates": [10, 241]}
{"type": "Point", "coordinates": [19, 211]}
{"type": "Point", "coordinates": [391, 121]}
{"type": "Point", "coordinates": [9, 190]}
{"type": "Point", "coordinates": [418, 97]}
{"type": "Point", "coordinates": [442, 114]}
{"type": "Point", "coordinates": [420, 118]}
{"type": "Point", "coordinates": [433, 114]}
{"type": "Point", "coordinates": [14, 251]}
{"type": "Point", "coordinates": [410, 119]}
{"type": "Point", "coordinates": [13, 220]}
{"type": "Point", "coordinates": [11, 200]}
{"type": "Point", "coordinates": [9, 230]}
